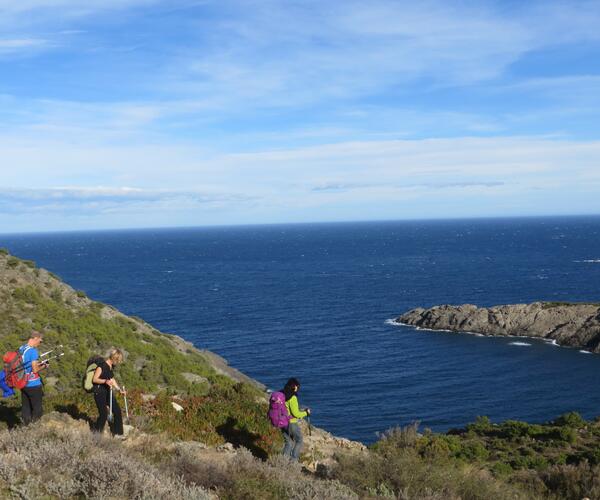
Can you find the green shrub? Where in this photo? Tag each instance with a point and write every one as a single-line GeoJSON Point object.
{"type": "Point", "coordinates": [28, 294]}
{"type": "Point", "coordinates": [56, 295]}
{"type": "Point", "coordinates": [513, 429]}
{"type": "Point", "coordinates": [397, 438]}
{"type": "Point", "coordinates": [4, 251]}
{"type": "Point", "coordinates": [438, 447]}
{"type": "Point", "coordinates": [13, 262]}
{"type": "Point", "coordinates": [472, 451]}
{"type": "Point", "coordinates": [567, 434]}
{"type": "Point", "coordinates": [529, 459]}
{"type": "Point", "coordinates": [501, 469]}
{"type": "Point", "coordinates": [482, 425]}
{"type": "Point", "coordinates": [81, 294]}
{"type": "Point", "coordinates": [572, 419]}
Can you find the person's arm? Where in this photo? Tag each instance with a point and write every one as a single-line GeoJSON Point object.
{"type": "Point", "coordinates": [295, 409]}
{"type": "Point", "coordinates": [36, 365]}
{"type": "Point", "coordinates": [98, 377]}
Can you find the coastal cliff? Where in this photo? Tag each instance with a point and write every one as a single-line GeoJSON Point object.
{"type": "Point", "coordinates": [568, 324]}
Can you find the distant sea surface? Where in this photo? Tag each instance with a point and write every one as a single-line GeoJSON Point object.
{"type": "Point", "coordinates": [314, 302]}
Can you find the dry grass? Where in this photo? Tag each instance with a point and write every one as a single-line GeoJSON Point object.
{"type": "Point", "coordinates": [45, 461]}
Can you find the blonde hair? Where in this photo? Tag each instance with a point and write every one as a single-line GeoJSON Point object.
{"type": "Point", "coordinates": [116, 356]}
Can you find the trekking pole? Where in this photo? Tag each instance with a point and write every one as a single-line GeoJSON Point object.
{"type": "Point", "coordinates": [126, 408]}
{"type": "Point", "coordinates": [42, 362]}
{"type": "Point", "coordinates": [57, 348]}
{"type": "Point", "coordinates": [309, 426]}
{"type": "Point", "coordinates": [110, 412]}
{"type": "Point", "coordinates": [56, 356]}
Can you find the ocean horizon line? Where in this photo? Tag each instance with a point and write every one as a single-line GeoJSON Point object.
{"type": "Point", "coordinates": [302, 223]}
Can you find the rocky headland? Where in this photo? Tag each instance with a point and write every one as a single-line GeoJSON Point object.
{"type": "Point", "coordinates": [568, 324]}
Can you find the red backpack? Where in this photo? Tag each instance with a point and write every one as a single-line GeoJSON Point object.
{"type": "Point", "coordinates": [15, 372]}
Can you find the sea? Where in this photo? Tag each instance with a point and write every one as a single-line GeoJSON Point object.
{"type": "Point", "coordinates": [316, 302]}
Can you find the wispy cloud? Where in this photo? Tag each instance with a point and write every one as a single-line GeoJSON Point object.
{"type": "Point", "coordinates": [18, 45]}
{"type": "Point", "coordinates": [99, 200]}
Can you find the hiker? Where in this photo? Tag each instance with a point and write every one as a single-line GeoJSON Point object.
{"type": "Point", "coordinates": [32, 393]}
{"type": "Point", "coordinates": [293, 434]}
{"type": "Point", "coordinates": [104, 381]}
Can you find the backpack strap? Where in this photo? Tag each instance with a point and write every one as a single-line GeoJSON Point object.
{"type": "Point", "coordinates": [27, 367]}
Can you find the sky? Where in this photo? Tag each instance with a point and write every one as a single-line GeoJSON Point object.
{"type": "Point", "coordinates": [147, 113]}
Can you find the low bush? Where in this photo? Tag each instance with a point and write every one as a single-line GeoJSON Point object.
{"type": "Point", "coordinates": [44, 462]}
{"type": "Point", "coordinates": [572, 419]}
{"type": "Point", "coordinates": [13, 262]}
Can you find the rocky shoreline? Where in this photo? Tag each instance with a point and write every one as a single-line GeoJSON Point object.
{"type": "Point", "coordinates": [567, 324]}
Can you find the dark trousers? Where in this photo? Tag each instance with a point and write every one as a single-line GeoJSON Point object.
{"type": "Point", "coordinates": [31, 404]}
{"type": "Point", "coordinates": [102, 398]}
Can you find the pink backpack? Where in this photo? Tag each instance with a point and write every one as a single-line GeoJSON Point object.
{"type": "Point", "coordinates": [278, 413]}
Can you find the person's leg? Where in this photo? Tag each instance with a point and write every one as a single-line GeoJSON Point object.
{"type": "Point", "coordinates": [101, 404]}
{"type": "Point", "coordinates": [25, 406]}
{"type": "Point", "coordinates": [117, 423]}
{"type": "Point", "coordinates": [287, 447]}
{"type": "Point", "coordinates": [296, 434]}
{"type": "Point", "coordinates": [37, 410]}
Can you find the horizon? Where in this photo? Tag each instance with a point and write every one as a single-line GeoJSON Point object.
{"type": "Point", "coordinates": [215, 113]}
{"type": "Point", "coordinates": [307, 223]}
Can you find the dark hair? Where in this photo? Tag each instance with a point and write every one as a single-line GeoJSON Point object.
{"type": "Point", "coordinates": [288, 390]}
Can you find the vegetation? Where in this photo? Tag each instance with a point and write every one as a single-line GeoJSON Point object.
{"type": "Point", "coordinates": [513, 459]}
{"type": "Point", "coordinates": [550, 305]}
{"type": "Point", "coordinates": [77, 464]}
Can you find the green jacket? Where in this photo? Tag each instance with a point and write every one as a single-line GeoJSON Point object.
{"type": "Point", "coordinates": [294, 410]}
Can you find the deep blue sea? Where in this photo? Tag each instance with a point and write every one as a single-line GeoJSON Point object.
{"type": "Point", "coordinates": [313, 301]}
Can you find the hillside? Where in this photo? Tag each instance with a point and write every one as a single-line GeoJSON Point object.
{"type": "Point", "coordinates": [199, 428]}
{"type": "Point", "coordinates": [31, 297]}
{"type": "Point", "coordinates": [568, 324]}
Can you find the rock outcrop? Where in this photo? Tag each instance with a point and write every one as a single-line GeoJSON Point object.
{"type": "Point", "coordinates": [569, 324]}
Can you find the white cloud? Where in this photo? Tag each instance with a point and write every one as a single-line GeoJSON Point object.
{"type": "Point", "coordinates": [10, 46]}
{"type": "Point", "coordinates": [290, 54]}
{"type": "Point", "coordinates": [100, 200]}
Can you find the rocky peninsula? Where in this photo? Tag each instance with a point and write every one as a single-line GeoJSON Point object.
{"type": "Point", "coordinates": [568, 324]}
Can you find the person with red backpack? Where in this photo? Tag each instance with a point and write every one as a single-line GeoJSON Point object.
{"type": "Point", "coordinates": [32, 393]}
{"type": "Point", "coordinates": [292, 433]}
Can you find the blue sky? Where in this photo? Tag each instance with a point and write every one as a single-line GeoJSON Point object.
{"type": "Point", "coordinates": [141, 113]}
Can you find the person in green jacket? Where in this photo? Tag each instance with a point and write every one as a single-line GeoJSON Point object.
{"type": "Point", "coordinates": [293, 434]}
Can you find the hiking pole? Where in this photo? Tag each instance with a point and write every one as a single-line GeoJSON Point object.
{"type": "Point", "coordinates": [57, 348]}
{"type": "Point", "coordinates": [42, 362]}
{"type": "Point", "coordinates": [56, 356]}
{"type": "Point", "coordinates": [126, 408]}
{"type": "Point", "coordinates": [110, 412]}
{"type": "Point", "coordinates": [309, 426]}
